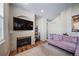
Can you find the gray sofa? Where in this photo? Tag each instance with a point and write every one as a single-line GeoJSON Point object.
{"type": "Point", "coordinates": [68, 43]}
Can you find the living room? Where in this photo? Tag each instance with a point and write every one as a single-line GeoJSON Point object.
{"type": "Point", "coordinates": [30, 27]}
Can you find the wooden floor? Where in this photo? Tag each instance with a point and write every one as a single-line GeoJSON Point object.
{"type": "Point", "coordinates": [24, 48]}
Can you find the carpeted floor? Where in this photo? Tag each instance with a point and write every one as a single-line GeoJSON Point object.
{"type": "Point", "coordinates": [44, 50]}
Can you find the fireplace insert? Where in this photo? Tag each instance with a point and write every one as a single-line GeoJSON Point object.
{"type": "Point", "coordinates": [21, 41]}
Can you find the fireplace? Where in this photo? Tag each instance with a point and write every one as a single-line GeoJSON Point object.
{"type": "Point", "coordinates": [21, 41]}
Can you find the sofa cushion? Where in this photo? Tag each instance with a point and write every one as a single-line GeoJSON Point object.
{"type": "Point", "coordinates": [66, 38]}
{"type": "Point", "coordinates": [73, 39]}
{"type": "Point", "coordinates": [64, 45]}
{"type": "Point", "coordinates": [57, 37]}
{"type": "Point", "coordinates": [50, 36]}
{"type": "Point", "coordinates": [70, 39]}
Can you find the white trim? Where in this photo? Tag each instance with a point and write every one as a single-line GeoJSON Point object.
{"type": "Point", "coordinates": [8, 53]}
{"type": "Point", "coordinates": [2, 41]}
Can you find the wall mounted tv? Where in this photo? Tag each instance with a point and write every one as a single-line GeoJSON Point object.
{"type": "Point", "coordinates": [22, 24]}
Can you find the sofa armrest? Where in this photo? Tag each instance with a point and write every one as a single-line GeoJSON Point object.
{"type": "Point", "coordinates": [77, 47]}
{"type": "Point", "coordinates": [77, 50]}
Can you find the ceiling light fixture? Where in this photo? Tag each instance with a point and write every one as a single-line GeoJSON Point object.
{"type": "Point", "coordinates": [42, 11]}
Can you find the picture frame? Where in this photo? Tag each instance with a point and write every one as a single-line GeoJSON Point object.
{"type": "Point", "coordinates": [75, 23]}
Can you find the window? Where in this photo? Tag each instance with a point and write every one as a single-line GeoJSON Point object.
{"type": "Point", "coordinates": [1, 22]}
{"type": "Point", "coordinates": [1, 28]}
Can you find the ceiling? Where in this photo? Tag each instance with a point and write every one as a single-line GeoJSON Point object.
{"type": "Point", "coordinates": [46, 10]}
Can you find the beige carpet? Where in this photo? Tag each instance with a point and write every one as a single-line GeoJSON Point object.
{"type": "Point", "coordinates": [44, 50]}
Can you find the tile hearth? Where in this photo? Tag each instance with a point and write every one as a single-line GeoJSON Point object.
{"type": "Point", "coordinates": [26, 47]}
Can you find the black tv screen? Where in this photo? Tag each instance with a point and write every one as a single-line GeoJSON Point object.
{"type": "Point", "coordinates": [22, 24]}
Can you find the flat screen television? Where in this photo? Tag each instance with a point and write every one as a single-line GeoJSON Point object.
{"type": "Point", "coordinates": [22, 24]}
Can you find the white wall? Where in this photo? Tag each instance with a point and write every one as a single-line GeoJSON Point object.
{"type": "Point", "coordinates": [42, 28]}
{"type": "Point", "coordinates": [5, 48]}
{"type": "Point", "coordinates": [74, 10]}
{"type": "Point", "coordinates": [63, 22]}
{"type": "Point", "coordinates": [14, 12]}
{"type": "Point", "coordinates": [58, 25]}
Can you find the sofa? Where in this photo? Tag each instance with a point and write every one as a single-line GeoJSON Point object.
{"type": "Point", "coordinates": [67, 43]}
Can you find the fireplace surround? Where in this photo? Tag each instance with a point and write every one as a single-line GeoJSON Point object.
{"type": "Point", "coordinates": [21, 41]}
